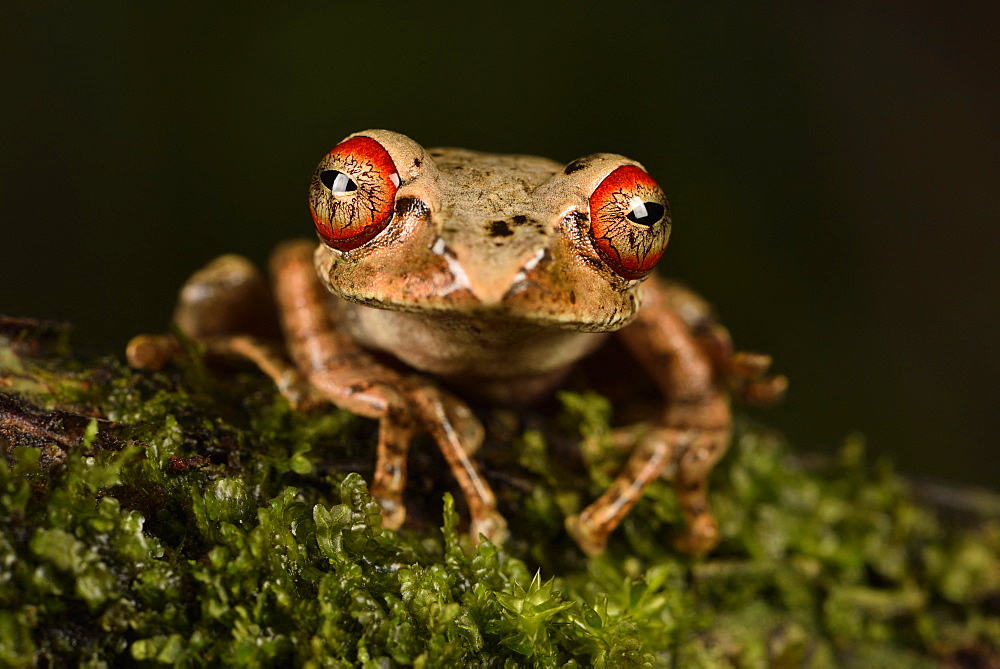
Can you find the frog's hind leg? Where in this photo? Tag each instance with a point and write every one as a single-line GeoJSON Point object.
{"type": "Point", "coordinates": [706, 445]}
{"type": "Point", "coordinates": [227, 296]}
{"type": "Point", "coordinates": [227, 308]}
{"type": "Point", "coordinates": [745, 373]}
{"type": "Point", "coordinates": [404, 404]}
{"type": "Point", "coordinates": [691, 433]}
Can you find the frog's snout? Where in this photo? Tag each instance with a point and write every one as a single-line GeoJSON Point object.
{"type": "Point", "coordinates": [496, 264]}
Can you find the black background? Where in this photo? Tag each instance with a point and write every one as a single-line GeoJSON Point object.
{"type": "Point", "coordinates": [832, 170]}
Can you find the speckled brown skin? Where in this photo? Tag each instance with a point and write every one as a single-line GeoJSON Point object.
{"type": "Point", "coordinates": [488, 278]}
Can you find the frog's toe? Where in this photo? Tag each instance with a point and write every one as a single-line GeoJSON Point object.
{"type": "Point", "coordinates": [492, 526]}
{"type": "Point", "coordinates": [591, 540]}
{"type": "Point", "coordinates": [151, 352]}
{"type": "Point", "coordinates": [393, 512]}
{"type": "Point", "coordinates": [764, 392]}
{"type": "Point", "coordinates": [299, 393]}
{"type": "Point", "coordinates": [700, 537]}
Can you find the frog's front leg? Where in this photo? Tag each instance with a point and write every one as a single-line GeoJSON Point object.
{"type": "Point", "coordinates": [692, 367]}
{"type": "Point", "coordinates": [354, 380]}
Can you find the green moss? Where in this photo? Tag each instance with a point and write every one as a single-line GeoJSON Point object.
{"type": "Point", "coordinates": [210, 524]}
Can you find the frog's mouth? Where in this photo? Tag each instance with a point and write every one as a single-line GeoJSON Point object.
{"type": "Point", "coordinates": [541, 288]}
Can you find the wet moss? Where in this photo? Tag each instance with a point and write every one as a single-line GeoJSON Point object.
{"type": "Point", "coordinates": [192, 518]}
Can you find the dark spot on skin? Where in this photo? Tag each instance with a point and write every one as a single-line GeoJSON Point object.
{"type": "Point", "coordinates": [575, 166]}
{"type": "Point", "coordinates": [499, 229]}
{"type": "Point", "coordinates": [398, 415]}
{"type": "Point", "coordinates": [411, 206]}
{"type": "Point", "coordinates": [694, 486]}
{"type": "Point", "coordinates": [417, 162]}
{"type": "Point", "coordinates": [436, 154]}
{"type": "Point", "coordinates": [520, 220]}
{"type": "Point", "coordinates": [572, 297]}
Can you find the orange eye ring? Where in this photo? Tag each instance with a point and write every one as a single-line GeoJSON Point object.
{"type": "Point", "coordinates": [629, 221]}
{"type": "Point", "coordinates": [353, 193]}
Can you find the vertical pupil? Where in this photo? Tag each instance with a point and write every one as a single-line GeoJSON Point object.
{"type": "Point", "coordinates": [337, 182]}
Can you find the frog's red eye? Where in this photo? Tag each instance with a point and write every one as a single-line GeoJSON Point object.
{"type": "Point", "coordinates": [353, 193]}
{"type": "Point", "coordinates": [629, 221]}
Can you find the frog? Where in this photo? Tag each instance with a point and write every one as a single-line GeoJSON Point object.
{"type": "Point", "coordinates": [443, 276]}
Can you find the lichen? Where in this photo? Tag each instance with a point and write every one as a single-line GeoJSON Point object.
{"type": "Point", "coordinates": [197, 520]}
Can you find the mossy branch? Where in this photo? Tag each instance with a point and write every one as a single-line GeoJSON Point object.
{"type": "Point", "coordinates": [192, 518]}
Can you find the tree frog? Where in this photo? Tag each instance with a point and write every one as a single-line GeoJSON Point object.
{"type": "Point", "coordinates": [447, 273]}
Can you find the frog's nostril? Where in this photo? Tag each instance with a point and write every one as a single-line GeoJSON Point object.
{"type": "Point", "coordinates": [498, 229]}
{"type": "Point", "coordinates": [505, 230]}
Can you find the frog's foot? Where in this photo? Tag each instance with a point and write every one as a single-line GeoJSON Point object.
{"type": "Point", "coordinates": [459, 433]}
{"type": "Point", "coordinates": [227, 309]}
{"type": "Point", "coordinates": [151, 351]}
{"type": "Point", "coordinates": [745, 373]}
{"type": "Point", "coordinates": [591, 538]}
{"type": "Point", "coordinates": [748, 379]}
{"type": "Point", "coordinates": [393, 510]}
{"type": "Point", "coordinates": [493, 527]}
{"type": "Point", "coordinates": [700, 536]}
{"type": "Point", "coordinates": [650, 456]}
{"type": "Point", "coordinates": [701, 533]}
{"type": "Point", "coordinates": [405, 406]}
{"type": "Point", "coordinates": [394, 435]}
{"type": "Point", "coordinates": [684, 448]}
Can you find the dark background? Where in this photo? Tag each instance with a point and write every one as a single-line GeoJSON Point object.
{"type": "Point", "coordinates": [832, 171]}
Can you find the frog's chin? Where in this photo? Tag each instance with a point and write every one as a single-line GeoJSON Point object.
{"type": "Point", "coordinates": [463, 347]}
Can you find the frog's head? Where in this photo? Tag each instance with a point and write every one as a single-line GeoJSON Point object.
{"type": "Point", "coordinates": [488, 235]}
